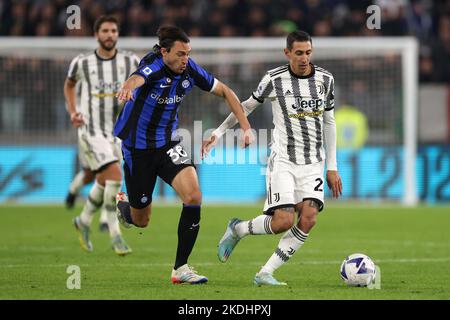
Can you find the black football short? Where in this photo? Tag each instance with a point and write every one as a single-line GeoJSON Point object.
{"type": "Point", "coordinates": [142, 166]}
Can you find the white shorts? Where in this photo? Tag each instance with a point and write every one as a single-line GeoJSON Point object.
{"type": "Point", "coordinates": [82, 158]}
{"type": "Point", "coordinates": [288, 183]}
{"type": "Point", "coordinates": [99, 151]}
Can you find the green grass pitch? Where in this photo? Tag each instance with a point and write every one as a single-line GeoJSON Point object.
{"type": "Point", "coordinates": [411, 247]}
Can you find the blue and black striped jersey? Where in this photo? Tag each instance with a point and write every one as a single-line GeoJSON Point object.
{"type": "Point", "coordinates": [151, 118]}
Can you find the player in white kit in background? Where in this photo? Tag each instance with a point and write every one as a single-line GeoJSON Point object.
{"type": "Point", "coordinates": [302, 98]}
{"type": "Point", "coordinates": [101, 74]}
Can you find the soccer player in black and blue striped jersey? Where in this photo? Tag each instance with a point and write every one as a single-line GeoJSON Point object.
{"type": "Point", "coordinates": [147, 126]}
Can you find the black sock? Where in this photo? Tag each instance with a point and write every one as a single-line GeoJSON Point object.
{"type": "Point", "coordinates": [187, 233]}
{"type": "Point", "coordinates": [125, 209]}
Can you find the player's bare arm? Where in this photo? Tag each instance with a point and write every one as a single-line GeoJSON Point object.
{"type": "Point", "coordinates": [126, 92]}
{"type": "Point", "coordinates": [334, 183]}
{"type": "Point", "coordinates": [70, 94]}
{"type": "Point", "coordinates": [222, 90]}
{"type": "Point", "coordinates": [249, 106]}
{"type": "Point", "coordinates": [207, 145]}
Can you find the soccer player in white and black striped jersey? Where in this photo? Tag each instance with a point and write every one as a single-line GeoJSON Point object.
{"type": "Point", "coordinates": [101, 74]}
{"type": "Point", "coordinates": [302, 97]}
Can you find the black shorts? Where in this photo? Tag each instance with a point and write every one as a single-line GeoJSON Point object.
{"type": "Point", "coordinates": [142, 166]}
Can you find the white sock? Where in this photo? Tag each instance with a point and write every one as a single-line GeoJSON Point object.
{"type": "Point", "coordinates": [103, 216]}
{"type": "Point", "coordinates": [109, 206]}
{"type": "Point", "coordinates": [77, 182]}
{"type": "Point", "coordinates": [291, 241]}
{"type": "Point", "coordinates": [93, 202]}
{"type": "Point", "coordinates": [258, 225]}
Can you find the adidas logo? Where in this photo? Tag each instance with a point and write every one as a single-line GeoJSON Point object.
{"type": "Point", "coordinates": [288, 93]}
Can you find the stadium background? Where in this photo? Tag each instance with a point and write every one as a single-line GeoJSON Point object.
{"type": "Point", "coordinates": [36, 136]}
{"type": "Point", "coordinates": [38, 152]}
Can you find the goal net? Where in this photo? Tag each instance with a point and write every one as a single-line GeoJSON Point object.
{"type": "Point", "coordinates": [375, 88]}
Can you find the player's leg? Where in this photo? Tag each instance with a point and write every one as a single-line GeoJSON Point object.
{"type": "Point", "coordinates": [102, 159]}
{"type": "Point", "coordinates": [311, 203]}
{"type": "Point", "coordinates": [308, 211]}
{"type": "Point", "coordinates": [84, 220]}
{"type": "Point", "coordinates": [108, 173]}
{"type": "Point", "coordinates": [177, 170]}
{"type": "Point", "coordinates": [311, 194]}
{"type": "Point", "coordinates": [290, 242]}
{"type": "Point", "coordinates": [187, 187]}
{"type": "Point", "coordinates": [74, 189]}
{"type": "Point", "coordinates": [278, 209]}
{"type": "Point", "coordinates": [82, 178]}
{"type": "Point", "coordinates": [130, 216]}
{"type": "Point", "coordinates": [110, 176]}
{"type": "Point", "coordinates": [295, 237]}
{"type": "Point", "coordinates": [95, 197]}
{"type": "Point", "coordinates": [140, 177]}
{"type": "Point", "coordinates": [89, 176]}
{"type": "Point", "coordinates": [103, 221]}
{"type": "Point", "coordinates": [283, 220]}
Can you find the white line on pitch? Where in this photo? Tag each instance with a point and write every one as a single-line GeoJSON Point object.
{"type": "Point", "coordinates": [146, 265]}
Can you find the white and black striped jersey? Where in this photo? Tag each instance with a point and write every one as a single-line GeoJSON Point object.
{"type": "Point", "coordinates": [298, 106]}
{"type": "Point", "coordinates": [100, 80]}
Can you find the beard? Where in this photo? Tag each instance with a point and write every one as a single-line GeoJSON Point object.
{"type": "Point", "coordinates": [108, 44]}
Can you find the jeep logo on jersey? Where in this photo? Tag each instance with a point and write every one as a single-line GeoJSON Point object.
{"type": "Point", "coordinates": [302, 104]}
{"type": "Point", "coordinates": [108, 86]}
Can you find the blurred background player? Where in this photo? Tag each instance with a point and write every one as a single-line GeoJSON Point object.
{"type": "Point", "coordinates": [84, 177]}
{"type": "Point", "coordinates": [302, 96]}
{"type": "Point", "coordinates": [101, 74]}
{"type": "Point", "coordinates": [147, 126]}
{"type": "Point", "coordinates": [81, 179]}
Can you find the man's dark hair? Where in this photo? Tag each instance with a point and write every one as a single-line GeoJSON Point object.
{"type": "Point", "coordinates": [102, 19]}
{"type": "Point", "coordinates": [167, 35]}
{"type": "Point", "coordinates": [297, 35]}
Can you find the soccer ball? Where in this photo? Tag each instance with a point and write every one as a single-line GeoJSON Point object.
{"type": "Point", "coordinates": [358, 270]}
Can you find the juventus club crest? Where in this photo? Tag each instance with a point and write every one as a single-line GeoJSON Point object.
{"type": "Point", "coordinates": [320, 88]}
{"type": "Point", "coordinates": [277, 196]}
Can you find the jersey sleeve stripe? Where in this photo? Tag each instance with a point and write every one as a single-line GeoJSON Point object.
{"type": "Point", "coordinates": [278, 70]}
{"type": "Point", "coordinates": [88, 80]}
{"type": "Point", "coordinates": [257, 99]}
{"type": "Point", "coordinates": [101, 98]}
{"type": "Point", "coordinates": [317, 124]}
{"type": "Point", "coordinates": [115, 101]}
{"type": "Point", "coordinates": [73, 69]}
{"type": "Point", "coordinates": [214, 85]}
{"type": "Point", "coordinates": [267, 90]}
{"type": "Point", "coordinates": [323, 70]}
{"type": "Point", "coordinates": [272, 74]}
